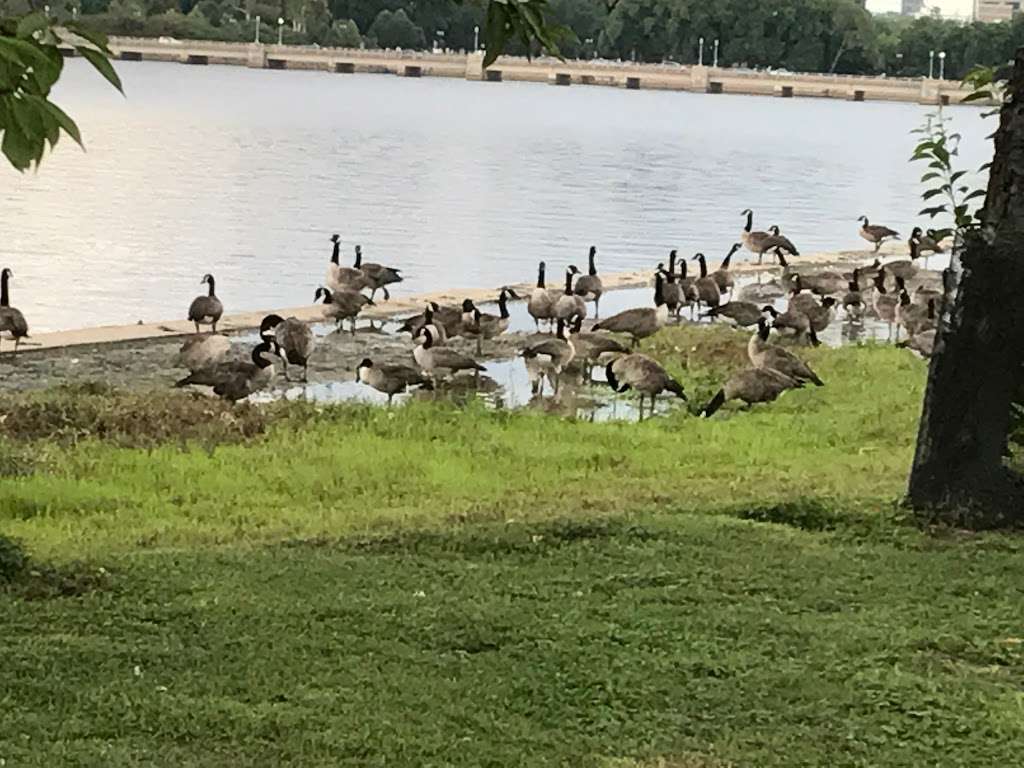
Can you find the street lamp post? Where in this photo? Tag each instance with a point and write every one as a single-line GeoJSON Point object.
{"type": "Point", "coordinates": [942, 65]}
{"type": "Point", "coordinates": [280, 30]}
{"type": "Point", "coordinates": [257, 30]}
{"type": "Point", "coordinates": [715, 63]}
{"type": "Point", "coordinates": [476, 39]}
{"type": "Point", "coordinates": [931, 64]}
{"type": "Point", "coordinates": [700, 52]}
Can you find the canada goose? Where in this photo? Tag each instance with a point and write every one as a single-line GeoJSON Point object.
{"type": "Point", "coordinates": [853, 300]}
{"type": "Point", "coordinates": [926, 243]}
{"type": "Point", "coordinates": [742, 313]}
{"type": "Point", "coordinates": [378, 276]}
{"type": "Point", "coordinates": [876, 234]}
{"type": "Point", "coordinates": [12, 322]}
{"type": "Point", "coordinates": [541, 303]}
{"type": "Point", "coordinates": [589, 286]}
{"type": "Point", "coordinates": [590, 348]}
{"type": "Point", "coordinates": [798, 300]}
{"type": "Point", "coordinates": [295, 339]}
{"type": "Point", "coordinates": [722, 277]}
{"type": "Point", "coordinates": [884, 303]}
{"type": "Point", "coordinates": [342, 305]}
{"type": "Point", "coordinates": [914, 318]}
{"type": "Point", "coordinates": [445, 322]}
{"type": "Point", "coordinates": [762, 354]}
{"type": "Point", "coordinates": [707, 288]}
{"type": "Point", "coordinates": [202, 351]}
{"type": "Point", "coordinates": [390, 379]}
{"type": "Point", "coordinates": [922, 343]}
{"type": "Point", "coordinates": [779, 242]}
{"type": "Point", "coordinates": [824, 283]}
{"type": "Point", "coordinates": [821, 315]}
{"type": "Point", "coordinates": [905, 268]}
{"type": "Point", "coordinates": [671, 290]}
{"type": "Point", "coordinates": [480, 325]}
{"type": "Point", "coordinates": [643, 375]}
{"type": "Point", "coordinates": [688, 285]}
{"type": "Point", "coordinates": [569, 306]}
{"type": "Point", "coordinates": [641, 322]}
{"type": "Point", "coordinates": [761, 292]}
{"type": "Point", "coordinates": [548, 358]}
{"type": "Point", "coordinates": [751, 385]}
{"type": "Point", "coordinates": [235, 380]}
{"type": "Point", "coordinates": [206, 310]}
{"type": "Point", "coordinates": [432, 358]}
{"type": "Point", "coordinates": [761, 242]}
{"type": "Point", "coordinates": [864, 276]}
{"type": "Point", "coordinates": [792, 320]}
{"type": "Point", "coordinates": [341, 278]}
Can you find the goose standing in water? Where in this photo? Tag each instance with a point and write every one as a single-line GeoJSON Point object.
{"type": "Point", "coordinates": [876, 234]}
{"type": "Point", "coordinates": [569, 306]}
{"type": "Point", "coordinates": [590, 348]}
{"type": "Point", "coordinates": [12, 322]}
{"type": "Point", "coordinates": [340, 306]}
{"type": "Point", "coordinates": [480, 325]}
{"type": "Point", "coordinates": [763, 354]}
{"type": "Point", "coordinates": [853, 300]}
{"type": "Point", "coordinates": [236, 380]}
{"type": "Point", "coordinates": [341, 278]}
{"type": "Point", "coordinates": [444, 322]}
{"type": "Point", "coordinates": [295, 340]}
{"type": "Point", "coordinates": [432, 359]}
{"type": "Point", "coordinates": [643, 375]}
{"type": "Point", "coordinates": [541, 303]}
{"type": "Point", "coordinates": [206, 310]}
{"type": "Point", "coordinates": [589, 286]}
{"type": "Point", "coordinates": [641, 322]}
{"type": "Point", "coordinates": [390, 379]}
{"type": "Point", "coordinates": [378, 276]}
{"type": "Point", "coordinates": [751, 385]}
{"type": "Point", "coordinates": [548, 359]}
{"type": "Point", "coordinates": [707, 287]}
{"type": "Point", "coordinates": [722, 277]}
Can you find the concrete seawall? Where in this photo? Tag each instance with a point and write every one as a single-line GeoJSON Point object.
{"type": "Point", "coordinates": [397, 307]}
{"type": "Point", "coordinates": [694, 79]}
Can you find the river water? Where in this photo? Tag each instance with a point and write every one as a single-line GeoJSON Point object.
{"type": "Point", "coordinates": [246, 173]}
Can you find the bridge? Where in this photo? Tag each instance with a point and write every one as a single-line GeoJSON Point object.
{"type": "Point", "coordinates": [628, 75]}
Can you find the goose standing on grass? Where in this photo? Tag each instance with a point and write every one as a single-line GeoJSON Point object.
{"type": "Point", "coordinates": [378, 276]}
{"type": "Point", "coordinates": [641, 322]}
{"type": "Point", "coordinates": [643, 375]}
{"type": "Point", "coordinates": [722, 277]}
{"type": "Point", "coordinates": [742, 313]}
{"type": "Point", "coordinates": [548, 358]}
{"type": "Point", "coordinates": [764, 354]}
{"type": "Point", "coordinates": [707, 287]}
{"type": "Point", "coordinates": [433, 359]}
{"type": "Point", "coordinates": [340, 306]}
{"type": "Point", "coordinates": [884, 303]}
{"type": "Point", "coordinates": [12, 322]}
{"type": "Point", "coordinates": [236, 380]}
{"type": "Point", "coordinates": [751, 385]}
{"type": "Point", "coordinates": [206, 310]}
{"type": "Point", "coordinates": [390, 379]}
{"type": "Point", "coordinates": [876, 234]}
{"type": "Point", "coordinates": [481, 325]}
{"type": "Point", "coordinates": [341, 278]}
{"type": "Point", "coordinates": [591, 348]}
{"type": "Point", "coordinates": [923, 343]}
{"type": "Point", "coordinates": [792, 321]}
{"type": "Point", "coordinates": [589, 286]}
{"type": "Point", "coordinates": [295, 340]}
{"type": "Point", "coordinates": [569, 306]}
{"type": "Point", "coordinates": [541, 303]}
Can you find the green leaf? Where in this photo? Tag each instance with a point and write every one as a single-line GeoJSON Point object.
{"type": "Point", "coordinates": [984, 166]}
{"type": "Point", "coordinates": [931, 175]}
{"type": "Point", "coordinates": [96, 38]}
{"type": "Point", "coordinates": [31, 24]}
{"type": "Point", "coordinates": [976, 96]}
{"type": "Point", "coordinates": [932, 212]}
{"type": "Point", "coordinates": [957, 175]}
{"type": "Point", "coordinates": [17, 148]}
{"type": "Point", "coordinates": [495, 32]}
{"type": "Point", "coordinates": [28, 54]}
{"type": "Point", "coordinates": [975, 193]}
{"type": "Point", "coordinates": [939, 165]}
{"type": "Point", "coordinates": [103, 65]}
{"type": "Point", "coordinates": [932, 193]}
{"type": "Point", "coordinates": [65, 122]}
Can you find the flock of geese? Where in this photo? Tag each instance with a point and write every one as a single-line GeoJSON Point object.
{"type": "Point", "coordinates": [899, 293]}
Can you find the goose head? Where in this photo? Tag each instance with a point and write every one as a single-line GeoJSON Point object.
{"type": "Point", "coordinates": [762, 329]}
{"type": "Point", "coordinates": [270, 322]}
{"type": "Point", "coordinates": [774, 229]}
{"type": "Point", "coordinates": [427, 336]}
{"type": "Point", "coordinates": [263, 352]}
{"type": "Point", "coordinates": [863, 220]}
{"type": "Point", "coordinates": [365, 365]}
{"type": "Point", "coordinates": [335, 238]}
{"type": "Point", "coordinates": [322, 292]}
{"type": "Point", "coordinates": [735, 247]}
{"type": "Point", "coordinates": [916, 232]}
{"type": "Point", "coordinates": [828, 302]}
{"type": "Point", "coordinates": [769, 310]}
{"type": "Point", "coordinates": [468, 306]}
{"type": "Point", "coordinates": [880, 281]}
{"type": "Point", "coordinates": [207, 278]}
{"type": "Point", "coordinates": [6, 274]}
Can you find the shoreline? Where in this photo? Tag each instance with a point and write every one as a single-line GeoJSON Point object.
{"type": "Point", "coordinates": [398, 306]}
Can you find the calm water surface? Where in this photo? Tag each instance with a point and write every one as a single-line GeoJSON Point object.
{"type": "Point", "coordinates": [245, 173]}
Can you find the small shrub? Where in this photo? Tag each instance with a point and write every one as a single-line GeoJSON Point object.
{"type": "Point", "coordinates": [805, 514]}
{"type": "Point", "coordinates": [13, 559]}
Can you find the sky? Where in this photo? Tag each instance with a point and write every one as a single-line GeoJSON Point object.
{"type": "Point", "coordinates": [948, 7]}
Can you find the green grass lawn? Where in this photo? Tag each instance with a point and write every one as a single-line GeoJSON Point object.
{"type": "Point", "coordinates": [434, 586]}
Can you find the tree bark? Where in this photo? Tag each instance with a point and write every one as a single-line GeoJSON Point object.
{"type": "Point", "coordinates": [959, 474]}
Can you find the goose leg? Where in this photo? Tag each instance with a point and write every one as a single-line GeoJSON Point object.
{"type": "Point", "coordinates": [214, 326]}
{"type": "Point", "coordinates": [597, 302]}
{"type": "Point", "coordinates": [305, 372]}
{"type": "Point", "coordinates": [197, 326]}
{"type": "Point", "coordinates": [479, 345]}
{"type": "Point", "coordinates": [387, 296]}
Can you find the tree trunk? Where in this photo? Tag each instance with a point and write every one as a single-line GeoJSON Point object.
{"type": "Point", "coordinates": [959, 474]}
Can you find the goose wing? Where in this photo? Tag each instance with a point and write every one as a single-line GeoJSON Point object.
{"type": "Point", "coordinates": [444, 357]}
{"type": "Point", "coordinates": [296, 339]}
{"type": "Point", "coordinates": [13, 322]}
{"type": "Point", "coordinates": [627, 320]}
{"type": "Point", "coordinates": [203, 307]}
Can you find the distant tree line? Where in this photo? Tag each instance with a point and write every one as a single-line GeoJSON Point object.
{"type": "Point", "coordinates": [799, 35]}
